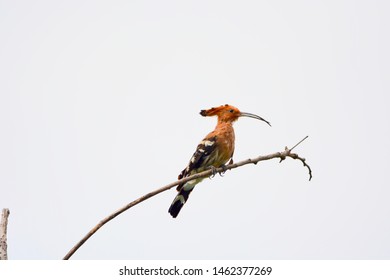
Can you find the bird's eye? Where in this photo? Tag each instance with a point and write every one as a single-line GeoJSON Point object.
{"type": "Point", "coordinates": [231, 110]}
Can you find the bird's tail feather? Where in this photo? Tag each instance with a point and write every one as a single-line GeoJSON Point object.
{"type": "Point", "coordinates": [179, 201]}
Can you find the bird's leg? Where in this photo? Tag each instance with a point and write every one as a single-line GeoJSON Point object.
{"type": "Point", "coordinates": [224, 168]}
{"type": "Point", "coordinates": [213, 171]}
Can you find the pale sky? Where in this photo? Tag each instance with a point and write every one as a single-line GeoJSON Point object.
{"type": "Point", "coordinates": [100, 101]}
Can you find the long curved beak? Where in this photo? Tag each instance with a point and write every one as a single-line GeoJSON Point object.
{"type": "Point", "coordinates": [249, 115]}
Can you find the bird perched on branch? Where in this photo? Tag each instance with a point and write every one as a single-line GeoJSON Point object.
{"type": "Point", "coordinates": [214, 151]}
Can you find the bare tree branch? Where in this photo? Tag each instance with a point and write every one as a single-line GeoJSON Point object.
{"type": "Point", "coordinates": [282, 155]}
{"type": "Point", "coordinates": [3, 234]}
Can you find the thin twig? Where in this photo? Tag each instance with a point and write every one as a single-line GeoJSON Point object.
{"type": "Point", "coordinates": [3, 234]}
{"type": "Point", "coordinates": [288, 153]}
{"type": "Point", "coordinates": [207, 173]}
{"type": "Point", "coordinates": [298, 143]}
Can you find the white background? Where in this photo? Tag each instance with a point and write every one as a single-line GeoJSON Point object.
{"type": "Point", "coordinates": [99, 104]}
{"type": "Point", "coordinates": [196, 269]}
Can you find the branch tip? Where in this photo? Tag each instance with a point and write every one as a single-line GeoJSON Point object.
{"type": "Point", "coordinates": [299, 142]}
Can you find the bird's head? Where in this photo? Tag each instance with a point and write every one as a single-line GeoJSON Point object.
{"type": "Point", "coordinates": [228, 113]}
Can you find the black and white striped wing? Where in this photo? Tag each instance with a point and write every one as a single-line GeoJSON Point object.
{"type": "Point", "coordinates": [199, 158]}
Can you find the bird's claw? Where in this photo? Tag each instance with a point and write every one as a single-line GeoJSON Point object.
{"type": "Point", "coordinates": [223, 170]}
{"type": "Point", "coordinates": [213, 171]}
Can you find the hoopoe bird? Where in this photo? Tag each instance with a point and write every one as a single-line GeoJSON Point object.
{"type": "Point", "coordinates": [214, 151]}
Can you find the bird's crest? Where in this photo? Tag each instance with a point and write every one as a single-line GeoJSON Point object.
{"type": "Point", "coordinates": [225, 113]}
{"type": "Point", "coordinates": [228, 113]}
